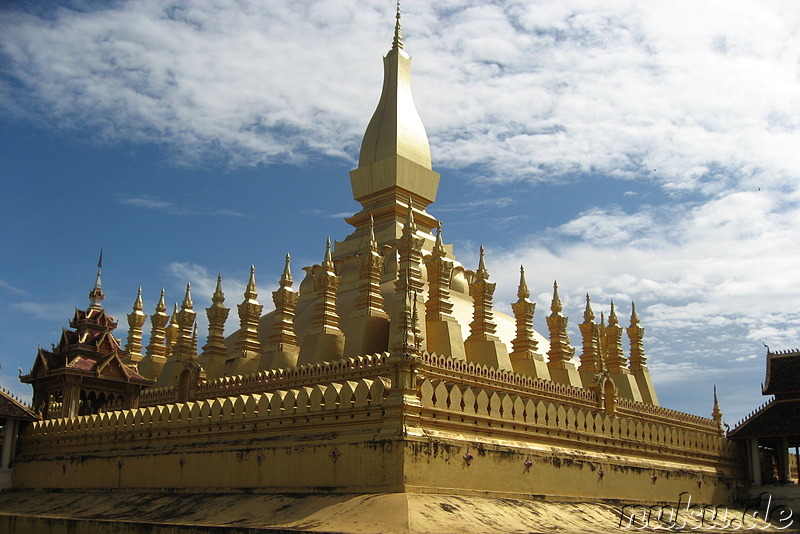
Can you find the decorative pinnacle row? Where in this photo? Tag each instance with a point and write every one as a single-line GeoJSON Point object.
{"type": "Point", "coordinates": [560, 348]}
{"type": "Point", "coordinates": [408, 287]}
{"type": "Point", "coordinates": [158, 321]}
{"type": "Point", "coordinates": [136, 320]}
{"type": "Point", "coordinates": [440, 268]}
{"type": "Point", "coordinates": [248, 345]}
{"type": "Point", "coordinates": [325, 319]}
{"type": "Point", "coordinates": [482, 292]}
{"type": "Point", "coordinates": [285, 300]}
{"type": "Point", "coordinates": [524, 344]}
{"type": "Point", "coordinates": [183, 348]}
{"type": "Point", "coordinates": [369, 300]}
{"type": "Point", "coordinates": [592, 358]}
{"type": "Point", "coordinates": [635, 335]}
{"type": "Point", "coordinates": [217, 313]}
{"type": "Point", "coordinates": [615, 359]}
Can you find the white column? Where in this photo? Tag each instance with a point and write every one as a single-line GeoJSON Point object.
{"type": "Point", "coordinates": [755, 464]}
{"type": "Point", "coordinates": [8, 443]}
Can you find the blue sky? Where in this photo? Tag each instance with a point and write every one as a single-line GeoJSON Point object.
{"type": "Point", "coordinates": [632, 150]}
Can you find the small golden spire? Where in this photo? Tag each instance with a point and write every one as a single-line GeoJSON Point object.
{"type": "Point", "coordinates": [410, 226]}
{"type": "Point", "coordinates": [397, 42]}
{"type": "Point", "coordinates": [218, 296]}
{"type": "Point", "coordinates": [588, 314]}
{"type": "Point", "coordinates": [482, 273]}
{"type": "Point", "coordinates": [602, 320]}
{"type": "Point", "coordinates": [556, 306]}
{"type": "Point", "coordinates": [174, 316]}
{"type": "Point", "coordinates": [327, 261]}
{"type": "Point", "coordinates": [137, 304]}
{"type": "Point", "coordinates": [612, 317]}
{"type": "Point", "coordinates": [373, 244]}
{"type": "Point", "coordinates": [187, 298]}
{"type": "Point", "coordinates": [522, 291]}
{"type": "Point", "coordinates": [161, 307]}
{"type": "Point", "coordinates": [250, 293]}
{"type": "Point", "coordinates": [286, 277]}
{"type": "Point", "coordinates": [634, 316]}
{"type": "Point", "coordinates": [716, 413]}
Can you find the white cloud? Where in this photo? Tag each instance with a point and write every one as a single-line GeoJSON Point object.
{"type": "Point", "coordinates": [689, 97]}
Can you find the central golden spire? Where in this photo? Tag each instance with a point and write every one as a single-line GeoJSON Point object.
{"type": "Point", "coordinates": [395, 159]}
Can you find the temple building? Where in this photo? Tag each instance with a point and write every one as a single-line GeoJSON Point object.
{"type": "Point", "coordinates": [771, 433]}
{"type": "Point", "coordinates": [384, 381]}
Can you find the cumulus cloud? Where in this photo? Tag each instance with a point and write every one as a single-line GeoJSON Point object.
{"type": "Point", "coordinates": [689, 97]}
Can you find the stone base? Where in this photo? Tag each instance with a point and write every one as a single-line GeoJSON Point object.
{"type": "Point", "coordinates": [321, 347]}
{"type": "Point", "coordinates": [282, 358]}
{"type": "Point", "coordinates": [626, 386]}
{"type": "Point", "coordinates": [445, 337]}
{"type": "Point", "coordinates": [366, 334]}
{"type": "Point", "coordinates": [530, 365]}
{"type": "Point", "coordinates": [489, 352]}
{"type": "Point", "coordinates": [392, 513]}
{"type": "Point", "coordinates": [565, 373]}
{"type": "Point", "coordinates": [645, 384]}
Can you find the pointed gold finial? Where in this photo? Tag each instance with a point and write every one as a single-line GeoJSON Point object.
{"type": "Point", "coordinates": [187, 298]}
{"type": "Point", "coordinates": [556, 306]}
{"type": "Point", "coordinates": [218, 296]}
{"type": "Point", "coordinates": [716, 413]}
{"type": "Point", "coordinates": [522, 291]}
{"type": "Point", "coordinates": [588, 314]}
{"type": "Point", "coordinates": [602, 320]}
{"type": "Point", "coordinates": [410, 227]}
{"type": "Point", "coordinates": [397, 42]}
{"type": "Point", "coordinates": [174, 316]}
{"type": "Point", "coordinates": [137, 304]}
{"type": "Point", "coordinates": [634, 316]}
{"type": "Point", "coordinates": [286, 277]}
{"type": "Point", "coordinates": [612, 317]}
{"type": "Point", "coordinates": [482, 273]}
{"type": "Point", "coordinates": [372, 242]}
{"type": "Point", "coordinates": [327, 261]}
{"type": "Point", "coordinates": [161, 307]}
{"type": "Point", "coordinates": [250, 292]}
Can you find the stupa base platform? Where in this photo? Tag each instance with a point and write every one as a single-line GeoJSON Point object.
{"type": "Point", "coordinates": [24, 512]}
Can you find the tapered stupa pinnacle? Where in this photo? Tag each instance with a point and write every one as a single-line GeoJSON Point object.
{"type": "Point", "coordinates": [556, 306]}
{"type": "Point", "coordinates": [286, 277]}
{"type": "Point", "coordinates": [251, 293]}
{"type": "Point", "coordinates": [137, 304]}
{"type": "Point", "coordinates": [612, 317]}
{"type": "Point", "coordinates": [327, 261]}
{"type": "Point", "coordinates": [187, 298]}
{"type": "Point", "coordinates": [588, 314]}
{"type": "Point", "coordinates": [482, 273]}
{"type": "Point", "coordinates": [634, 316]}
{"type": "Point", "coordinates": [522, 291]}
{"type": "Point", "coordinates": [397, 42]}
{"type": "Point", "coordinates": [161, 307]}
{"type": "Point", "coordinates": [218, 296]}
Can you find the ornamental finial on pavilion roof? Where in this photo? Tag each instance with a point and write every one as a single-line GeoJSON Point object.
{"type": "Point", "coordinates": [96, 295]}
{"type": "Point", "coordinates": [397, 42]}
